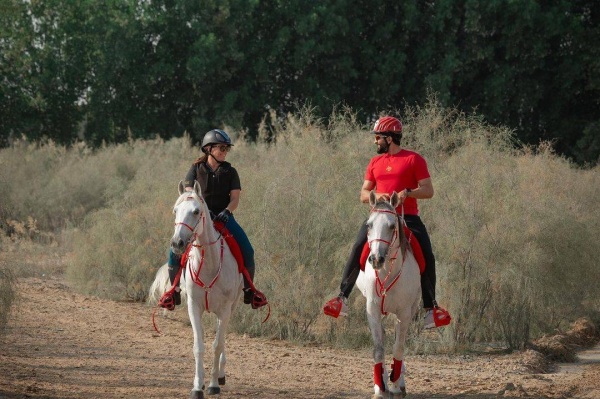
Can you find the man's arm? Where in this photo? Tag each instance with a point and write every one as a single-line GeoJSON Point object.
{"type": "Point", "coordinates": [423, 191]}
{"type": "Point", "coordinates": [366, 189]}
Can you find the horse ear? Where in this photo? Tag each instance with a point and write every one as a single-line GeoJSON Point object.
{"type": "Point", "coordinates": [197, 188]}
{"type": "Point", "coordinates": [372, 198]}
{"type": "Point", "coordinates": [394, 200]}
{"type": "Point", "coordinates": [180, 187]}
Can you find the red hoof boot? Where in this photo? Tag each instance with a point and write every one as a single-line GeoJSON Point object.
{"type": "Point", "coordinates": [336, 307]}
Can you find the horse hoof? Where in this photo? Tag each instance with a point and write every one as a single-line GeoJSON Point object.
{"type": "Point", "coordinates": [197, 395]}
{"type": "Point", "coordinates": [221, 380]}
{"type": "Point", "coordinates": [377, 396]}
{"type": "Point", "coordinates": [399, 395]}
{"type": "Point", "coordinates": [213, 390]}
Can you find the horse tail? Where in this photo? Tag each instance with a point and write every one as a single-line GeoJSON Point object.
{"type": "Point", "coordinates": [161, 284]}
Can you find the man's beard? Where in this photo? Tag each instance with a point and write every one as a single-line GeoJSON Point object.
{"type": "Point", "coordinates": [383, 148]}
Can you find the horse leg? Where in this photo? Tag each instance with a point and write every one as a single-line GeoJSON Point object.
{"type": "Point", "coordinates": [217, 376]}
{"type": "Point", "coordinates": [379, 369]}
{"type": "Point", "coordinates": [195, 313]}
{"type": "Point", "coordinates": [397, 383]}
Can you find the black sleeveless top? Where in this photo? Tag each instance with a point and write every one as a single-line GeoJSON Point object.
{"type": "Point", "coordinates": [215, 184]}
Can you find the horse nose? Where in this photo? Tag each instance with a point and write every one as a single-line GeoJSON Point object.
{"type": "Point", "coordinates": [177, 245]}
{"type": "Point", "coordinates": [376, 261]}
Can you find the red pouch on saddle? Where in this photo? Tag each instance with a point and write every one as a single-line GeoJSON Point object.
{"type": "Point", "coordinates": [414, 244]}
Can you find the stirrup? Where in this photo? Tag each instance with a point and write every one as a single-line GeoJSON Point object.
{"type": "Point", "coordinates": [334, 307]}
{"type": "Point", "coordinates": [167, 301]}
{"type": "Point", "coordinates": [259, 300]}
{"type": "Point", "coordinates": [441, 317]}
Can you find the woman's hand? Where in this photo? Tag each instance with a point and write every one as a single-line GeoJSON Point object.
{"type": "Point", "coordinates": [223, 217]}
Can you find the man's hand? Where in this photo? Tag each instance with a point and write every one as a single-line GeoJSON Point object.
{"type": "Point", "coordinates": [223, 216]}
{"type": "Point", "coordinates": [382, 197]}
{"type": "Point", "coordinates": [403, 195]}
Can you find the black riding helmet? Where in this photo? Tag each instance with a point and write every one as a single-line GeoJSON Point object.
{"type": "Point", "coordinates": [216, 137]}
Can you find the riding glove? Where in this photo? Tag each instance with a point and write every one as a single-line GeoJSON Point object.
{"type": "Point", "coordinates": [223, 216]}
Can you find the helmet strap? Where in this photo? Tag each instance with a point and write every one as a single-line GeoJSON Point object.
{"type": "Point", "coordinates": [209, 153]}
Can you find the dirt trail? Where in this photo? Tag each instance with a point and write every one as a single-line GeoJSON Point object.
{"type": "Point", "coordinates": [65, 345]}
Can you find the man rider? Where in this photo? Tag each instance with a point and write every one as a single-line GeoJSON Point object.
{"type": "Point", "coordinates": [406, 172]}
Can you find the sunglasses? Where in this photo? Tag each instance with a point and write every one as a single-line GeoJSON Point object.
{"type": "Point", "coordinates": [380, 136]}
{"type": "Point", "coordinates": [224, 148]}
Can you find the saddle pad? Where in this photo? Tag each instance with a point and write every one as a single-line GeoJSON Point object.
{"type": "Point", "coordinates": [233, 245]}
{"type": "Point", "coordinates": [414, 244]}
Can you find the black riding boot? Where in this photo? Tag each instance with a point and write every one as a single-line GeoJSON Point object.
{"type": "Point", "coordinates": [248, 293]}
{"type": "Point", "coordinates": [174, 264]}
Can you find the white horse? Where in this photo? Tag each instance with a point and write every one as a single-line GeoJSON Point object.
{"type": "Point", "coordinates": [212, 282]}
{"type": "Point", "coordinates": [391, 283]}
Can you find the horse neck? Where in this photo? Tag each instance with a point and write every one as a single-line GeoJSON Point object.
{"type": "Point", "coordinates": [208, 240]}
{"type": "Point", "coordinates": [402, 240]}
{"type": "Point", "coordinates": [399, 247]}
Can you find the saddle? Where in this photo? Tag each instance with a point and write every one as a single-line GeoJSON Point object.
{"type": "Point", "coordinates": [414, 244]}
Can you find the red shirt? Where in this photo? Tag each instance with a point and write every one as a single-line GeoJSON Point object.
{"type": "Point", "coordinates": [397, 172]}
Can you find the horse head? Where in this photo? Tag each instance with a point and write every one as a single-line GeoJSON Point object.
{"type": "Point", "coordinates": [383, 229]}
{"type": "Point", "coordinates": [191, 214]}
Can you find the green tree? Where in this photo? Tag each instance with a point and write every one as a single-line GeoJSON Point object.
{"type": "Point", "coordinates": [110, 70]}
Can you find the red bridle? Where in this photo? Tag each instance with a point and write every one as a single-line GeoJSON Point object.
{"type": "Point", "coordinates": [389, 243]}
{"type": "Point", "coordinates": [380, 285]}
{"type": "Point", "coordinates": [195, 274]}
{"type": "Point", "coordinates": [202, 219]}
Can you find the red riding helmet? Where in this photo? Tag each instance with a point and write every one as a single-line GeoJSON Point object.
{"type": "Point", "coordinates": [388, 124]}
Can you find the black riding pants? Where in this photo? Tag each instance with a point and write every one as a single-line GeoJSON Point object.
{"type": "Point", "coordinates": [428, 278]}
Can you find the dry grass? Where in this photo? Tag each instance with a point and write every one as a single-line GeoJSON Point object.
{"type": "Point", "coordinates": [7, 295]}
{"type": "Point", "coordinates": [514, 231]}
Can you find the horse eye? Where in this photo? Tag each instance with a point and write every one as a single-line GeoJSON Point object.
{"type": "Point", "coordinates": [196, 211]}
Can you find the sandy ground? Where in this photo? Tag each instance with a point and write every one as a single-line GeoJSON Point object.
{"type": "Point", "coordinates": [65, 345]}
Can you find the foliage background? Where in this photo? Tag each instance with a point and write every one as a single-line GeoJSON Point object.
{"type": "Point", "coordinates": [107, 71]}
{"type": "Point", "coordinates": [514, 229]}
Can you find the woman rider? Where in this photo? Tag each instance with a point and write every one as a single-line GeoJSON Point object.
{"type": "Point", "coordinates": [220, 184]}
